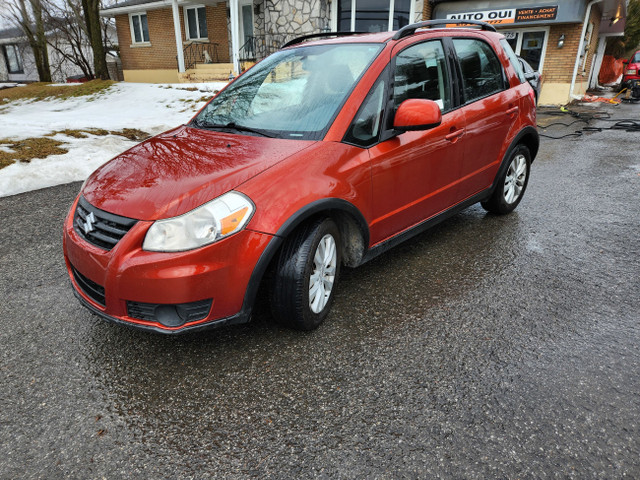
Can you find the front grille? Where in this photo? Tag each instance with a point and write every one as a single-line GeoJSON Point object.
{"type": "Point", "coordinates": [100, 228]}
{"type": "Point", "coordinates": [94, 291]}
{"type": "Point", "coordinates": [158, 312]}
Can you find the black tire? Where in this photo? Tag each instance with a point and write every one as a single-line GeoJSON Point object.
{"type": "Point", "coordinates": [289, 290]}
{"type": "Point", "coordinates": [506, 197]}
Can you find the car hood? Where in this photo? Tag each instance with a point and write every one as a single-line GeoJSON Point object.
{"type": "Point", "coordinates": [178, 170]}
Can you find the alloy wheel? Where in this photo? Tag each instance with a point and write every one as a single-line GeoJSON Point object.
{"type": "Point", "coordinates": [515, 179]}
{"type": "Point", "coordinates": [323, 274]}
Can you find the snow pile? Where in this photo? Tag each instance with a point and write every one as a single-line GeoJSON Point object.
{"type": "Point", "coordinates": [152, 108]}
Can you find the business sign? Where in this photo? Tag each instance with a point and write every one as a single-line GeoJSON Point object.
{"type": "Point", "coordinates": [507, 16]}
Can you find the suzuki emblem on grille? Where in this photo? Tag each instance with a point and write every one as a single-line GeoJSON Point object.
{"type": "Point", "coordinates": [87, 226]}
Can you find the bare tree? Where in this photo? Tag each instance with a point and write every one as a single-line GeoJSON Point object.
{"type": "Point", "coordinates": [70, 40]}
{"type": "Point", "coordinates": [91, 9]}
{"type": "Point", "coordinates": [28, 15]}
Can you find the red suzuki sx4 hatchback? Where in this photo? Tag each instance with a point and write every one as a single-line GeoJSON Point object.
{"type": "Point", "coordinates": [325, 154]}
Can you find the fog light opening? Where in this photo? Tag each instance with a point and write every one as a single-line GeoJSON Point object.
{"type": "Point", "coordinates": [168, 316]}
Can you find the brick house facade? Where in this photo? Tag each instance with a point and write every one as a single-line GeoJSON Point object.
{"type": "Point", "coordinates": [155, 60]}
{"type": "Point", "coordinates": [148, 31]}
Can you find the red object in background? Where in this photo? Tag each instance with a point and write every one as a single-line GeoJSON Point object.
{"type": "Point", "coordinates": [77, 79]}
{"type": "Point", "coordinates": [611, 70]}
{"type": "Point", "coordinates": [631, 71]}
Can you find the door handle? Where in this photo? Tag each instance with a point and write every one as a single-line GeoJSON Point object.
{"type": "Point", "coordinates": [512, 111]}
{"type": "Point", "coordinates": [453, 136]}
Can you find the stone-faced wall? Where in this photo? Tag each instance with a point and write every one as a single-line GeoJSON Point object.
{"type": "Point", "coordinates": [296, 17]}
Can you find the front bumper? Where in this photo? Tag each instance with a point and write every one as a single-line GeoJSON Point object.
{"type": "Point", "coordinates": [121, 283]}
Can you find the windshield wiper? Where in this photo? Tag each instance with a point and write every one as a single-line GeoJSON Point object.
{"type": "Point", "coordinates": [231, 125]}
{"type": "Point", "coordinates": [242, 128]}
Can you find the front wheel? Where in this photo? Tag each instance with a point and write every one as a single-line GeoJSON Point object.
{"type": "Point", "coordinates": [306, 275]}
{"type": "Point", "coordinates": [511, 184]}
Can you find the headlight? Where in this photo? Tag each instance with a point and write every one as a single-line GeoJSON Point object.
{"type": "Point", "coordinates": [206, 224]}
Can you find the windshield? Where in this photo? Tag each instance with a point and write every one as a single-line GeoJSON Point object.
{"type": "Point", "coordinates": [292, 94]}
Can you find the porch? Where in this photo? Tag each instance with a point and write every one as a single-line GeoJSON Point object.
{"type": "Point", "coordinates": [202, 61]}
{"type": "Point", "coordinates": [184, 41]}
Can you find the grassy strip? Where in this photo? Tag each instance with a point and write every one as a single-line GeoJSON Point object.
{"type": "Point", "coordinates": [129, 133]}
{"type": "Point", "coordinates": [41, 147]}
{"type": "Point", "coordinates": [28, 149]}
{"type": "Point", "coordinates": [39, 91]}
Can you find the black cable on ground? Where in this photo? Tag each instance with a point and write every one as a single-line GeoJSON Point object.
{"type": "Point", "coordinates": [628, 125]}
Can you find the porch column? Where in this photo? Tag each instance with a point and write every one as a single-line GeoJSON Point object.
{"type": "Point", "coordinates": [178, 32]}
{"type": "Point", "coordinates": [235, 35]}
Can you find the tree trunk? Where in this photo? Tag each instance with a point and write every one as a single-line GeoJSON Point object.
{"type": "Point", "coordinates": [91, 10]}
{"type": "Point", "coordinates": [34, 31]}
{"type": "Point", "coordinates": [42, 55]}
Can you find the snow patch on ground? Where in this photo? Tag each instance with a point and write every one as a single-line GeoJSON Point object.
{"type": "Point", "coordinates": [153, 108]}
{"type": "Point", "coordinates": [84, 156]}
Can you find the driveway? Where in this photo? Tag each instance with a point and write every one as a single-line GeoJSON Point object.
{"type": "Point", "coordinates": [489, 347]}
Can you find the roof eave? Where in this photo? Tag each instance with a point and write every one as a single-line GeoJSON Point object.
{"type": "Point", "coordinates": [113, 11]}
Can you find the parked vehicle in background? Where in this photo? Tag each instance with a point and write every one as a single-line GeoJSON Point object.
{"type": "Point", "coordinates": [532, 76]}
{"type": "Point", "coordinates": [327, 153]}
{"type": "Point", "coordinates": [631, 75]}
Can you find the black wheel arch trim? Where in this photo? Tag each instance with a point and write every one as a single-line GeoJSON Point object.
{"type": "Point", "coordinates": [323, 205]}
{"type": "Point", "coordinates": [525, 132]}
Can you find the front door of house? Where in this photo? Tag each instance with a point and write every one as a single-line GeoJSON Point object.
{"type": "Point", "coordinates": [246, 28]}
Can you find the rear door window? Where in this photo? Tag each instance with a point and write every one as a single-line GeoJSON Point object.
{"type": "Point", "coordinates": [482, 73]}
{"type": "Point", "coordinates": [515, 63]}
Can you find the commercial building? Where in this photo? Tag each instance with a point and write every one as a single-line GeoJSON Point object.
{"type": "Point", "coordinates": [565, 40]}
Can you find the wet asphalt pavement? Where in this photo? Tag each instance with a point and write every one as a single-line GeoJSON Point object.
{"type": "Point", "coordinates": [489, 347]}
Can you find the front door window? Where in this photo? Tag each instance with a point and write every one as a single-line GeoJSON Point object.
{"type": "Point", "coordinates": [246, 29]}
{"type": "Point", "coordinates": [528, 44]}
{"type": "Point", "coordinates": [531, 48]}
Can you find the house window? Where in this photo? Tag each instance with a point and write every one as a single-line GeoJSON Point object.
{"type": "Point", "coordinates": [12, 57]}
{"type": "Point", "coordinates": [373, 15]}
{"type": "Point", "coordinates": [139, 28]}
{"type": "Point", "coordinates": [196, 20]}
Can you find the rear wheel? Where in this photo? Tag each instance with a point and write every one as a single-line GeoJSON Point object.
{"type": "Point", "coordinates": [511, 184]}
{"type": "Point", "coordinates": [306, 275]}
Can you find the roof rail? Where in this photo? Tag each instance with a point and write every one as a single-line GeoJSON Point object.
{"type": "Point", "coordinates": [318, 35]}
{"type": "Point", "coordinates": [411, 29]}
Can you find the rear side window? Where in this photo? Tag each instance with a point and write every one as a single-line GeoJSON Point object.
{"type": "Point", "coordinates": [421, 72]}
{"type": "Point", "coordinates": [481, 69]}
{"type": "Point", "coordinates": [513, 59]}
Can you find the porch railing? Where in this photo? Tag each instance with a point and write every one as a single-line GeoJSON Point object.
{"type": "Point", "coordinates": [200, 52]}
{"type": "Point", "coordinates": [257, 47]}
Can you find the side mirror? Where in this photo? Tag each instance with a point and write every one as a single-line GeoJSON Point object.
{"type": "Point", "coordinates": [417, 114]}
{"type": "Point", "coordinates": [625, 61]}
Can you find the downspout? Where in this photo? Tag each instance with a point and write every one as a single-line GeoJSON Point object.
{"type": "Point", "coordinates": [580, 49]}
{"type": "Point", "coordinates": [178, 31]}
